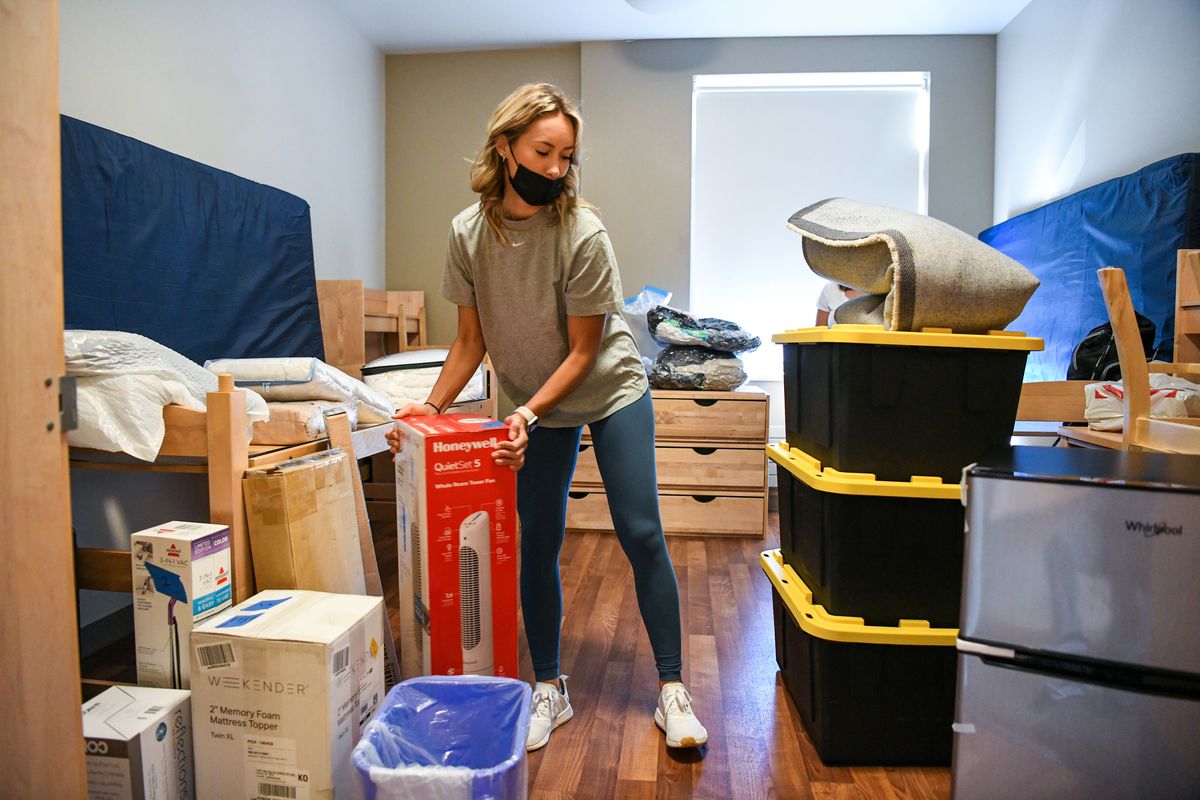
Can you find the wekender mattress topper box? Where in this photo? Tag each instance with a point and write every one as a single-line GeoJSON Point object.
{"type": "Point", "coordinates": [282, 685]}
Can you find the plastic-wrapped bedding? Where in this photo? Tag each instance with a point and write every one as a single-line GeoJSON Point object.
{"type": "Point", "coordinates": [688, 367]}
{"type": "Point", "coordinates": [287, 379]}
{"type": "Point", "coordinates": [123, 380]}
{"type": "Point", "coordinates": [407, 377]}
{"type": "Point", "coordinates": [1170, 397]}
{"type": "Point", "coordinates": [672, 326]}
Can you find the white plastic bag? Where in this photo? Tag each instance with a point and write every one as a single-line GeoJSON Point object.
{"type": "Point", "coordinates": [635, 310]}
{"type": "Point", "coordinates": [1170, 398]}
{"type": "Point", "coordinates": [123, 382]}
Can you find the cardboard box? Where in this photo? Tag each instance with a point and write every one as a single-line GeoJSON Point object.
{"type": "Point", "coordinates": [283, 685]}
{"type": "Point", "coordinates": [456, 523]}
{"type": "Point", "coordinates": [181, 575]}
{"type": "Point", "coordinates": [303, 525]}
{"type": "Point", "coordinates": [137, 744]}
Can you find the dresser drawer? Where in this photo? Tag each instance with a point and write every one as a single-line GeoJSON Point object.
{"type": "Point", "coordinates": [690, 468]}
{"type": "Point", "coordinates": [693, 514]}
{"type": "Point", "coordinates": [702, 419]}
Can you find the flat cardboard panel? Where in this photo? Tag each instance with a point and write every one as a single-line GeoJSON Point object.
{"type": "Point", "coordinates": [304, 526]}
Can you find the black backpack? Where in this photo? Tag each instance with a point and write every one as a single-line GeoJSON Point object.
{"type": "Point", "coordinates": [1095, 358]}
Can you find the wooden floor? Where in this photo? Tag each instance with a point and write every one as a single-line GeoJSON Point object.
{"type": "Point", "coordinates": [757, 747]}
{"type": "Point", "coordinates": [612, 748]}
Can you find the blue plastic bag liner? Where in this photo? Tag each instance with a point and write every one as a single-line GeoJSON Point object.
{"type": "Point", "coordinates": [447, 738]}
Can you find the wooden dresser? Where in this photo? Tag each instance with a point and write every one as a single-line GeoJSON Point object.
{"type": "Point", "coordinates": [710, 454]}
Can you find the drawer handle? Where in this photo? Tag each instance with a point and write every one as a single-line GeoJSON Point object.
{"type": "Point", "coordinates": [704, 403]}
{"type": "Point", "coordinates": [584, 447]}
{"type": "Point", "coordinates": [704, 451]}
{"type": "Point", "coordinates": [577, 495]}
{"type": "Point", "coordinates": [704, 498]}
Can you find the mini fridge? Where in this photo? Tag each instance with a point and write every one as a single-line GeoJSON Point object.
{"type": "Point", "coordinates": [1079, 642]}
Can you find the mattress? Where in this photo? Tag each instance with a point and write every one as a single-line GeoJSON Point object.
{"type": "Point", "coordinates": [408, 377]}
{"type": "Point", "coordinates": [206, 263]}
{"type": "Point", "coordinates": [1136, 222]}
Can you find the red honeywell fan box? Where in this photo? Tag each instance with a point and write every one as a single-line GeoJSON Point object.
{"type": "Point", "coordinates": [456, 532]}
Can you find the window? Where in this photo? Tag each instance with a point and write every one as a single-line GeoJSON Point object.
{"type": "Point", "coordinates": [766, 146]}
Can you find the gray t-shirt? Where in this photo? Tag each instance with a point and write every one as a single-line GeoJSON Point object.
{"type": "Point", "coordinates": [524, 291]}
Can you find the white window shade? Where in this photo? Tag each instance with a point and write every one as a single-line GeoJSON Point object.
{"type": "Point", "coordinates": [765, 146]}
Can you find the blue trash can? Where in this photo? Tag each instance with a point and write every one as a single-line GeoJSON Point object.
{"type": "Point", "coordinates": [447, 738]}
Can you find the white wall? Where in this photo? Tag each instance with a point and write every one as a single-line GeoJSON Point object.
{"type": "Point", "coordinates": [1088, 90]}
{"type": "Point", "coordinates": [284, 92]}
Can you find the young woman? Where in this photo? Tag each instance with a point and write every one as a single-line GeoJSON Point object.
{"type": "Point", "coordinates": [532, 271]}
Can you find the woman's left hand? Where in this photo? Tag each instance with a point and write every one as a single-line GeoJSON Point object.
{"type": "Point", "coordinates": [511, 454]}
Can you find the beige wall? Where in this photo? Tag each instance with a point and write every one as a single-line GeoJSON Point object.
{"type": "Point", "coordinates": [437, 111]}
{"type": "Point", "coordinates": [636, 150]}
{"type": "Point", "coordinates": [637, 158]}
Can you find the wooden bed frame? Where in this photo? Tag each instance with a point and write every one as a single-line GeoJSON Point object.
{"type": "Point", "coordinates": [211, 442]}
{"type": "Point", "coordinates": [360, 325]}
{"type": "Point", "coordinates": [357, 324]}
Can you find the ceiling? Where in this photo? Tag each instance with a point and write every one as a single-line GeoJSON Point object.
{"type": "Point", "coordinates": [412, 26]}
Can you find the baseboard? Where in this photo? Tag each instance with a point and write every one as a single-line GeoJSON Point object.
{"type": "Point", "coordinates": [101, 633]}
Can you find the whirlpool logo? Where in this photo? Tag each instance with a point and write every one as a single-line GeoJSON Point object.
{"type": "Point", "coordinates": [1152, 529]}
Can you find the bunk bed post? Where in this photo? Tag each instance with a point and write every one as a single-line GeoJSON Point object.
{"type": "Point", "coordinates": [228, 454]}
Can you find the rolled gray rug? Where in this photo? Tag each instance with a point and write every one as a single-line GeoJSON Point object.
{"type": "Point", "coordinates": [919, 272]}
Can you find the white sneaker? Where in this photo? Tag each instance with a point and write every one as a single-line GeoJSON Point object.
{"type": "Point", "coordinates": [675, 716]}
{"type": "Point", "coordinates": [550, 708]}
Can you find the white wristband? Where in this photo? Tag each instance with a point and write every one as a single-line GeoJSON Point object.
{"type": "Point", "coordinates": [529, 417]}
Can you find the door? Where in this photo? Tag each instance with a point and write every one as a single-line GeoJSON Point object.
{"type": "Point", "coordinates": [42, 733]}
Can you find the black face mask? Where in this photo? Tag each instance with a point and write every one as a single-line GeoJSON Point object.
{"type": "Point", "coordinates": [535, 189]}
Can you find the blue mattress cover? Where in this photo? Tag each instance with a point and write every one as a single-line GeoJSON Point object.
{"type": "Point", "coordinates": [1136, 222]}
{"type": "Point", "coordinates": [209, 264]}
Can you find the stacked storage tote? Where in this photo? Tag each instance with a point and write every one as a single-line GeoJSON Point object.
{"type": "Point", "coordinates": [880, 425]}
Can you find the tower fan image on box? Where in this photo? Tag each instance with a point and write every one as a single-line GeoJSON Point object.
{"type": "Point", "coordinates": [475, 593]}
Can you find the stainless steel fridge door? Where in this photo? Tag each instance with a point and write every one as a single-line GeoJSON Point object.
{"type": "Point", "coordinates": [1021, 734]}
{"type": "Point", "coordinates": [1103, 571]}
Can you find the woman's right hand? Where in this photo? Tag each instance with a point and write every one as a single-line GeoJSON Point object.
{"type": "Point", "coordinates": [411, 410]}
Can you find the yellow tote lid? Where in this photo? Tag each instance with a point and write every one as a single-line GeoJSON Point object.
{"type": "Point", "coordinates": [926, 337]}
{"type": "Point", "coordinates": [831, 481]}
{"type": "Point", "coordinates": [816, 621]}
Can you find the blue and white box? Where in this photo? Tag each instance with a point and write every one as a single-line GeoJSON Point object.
{"type": "Point", "coordinates": [181, 575]}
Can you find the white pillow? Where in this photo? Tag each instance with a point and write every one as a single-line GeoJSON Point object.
{"type": "Point", "coordinates": [301, 378]}
{"type": "Point", "coordinates": [124, 380]}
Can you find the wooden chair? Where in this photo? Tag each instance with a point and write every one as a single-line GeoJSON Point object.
{"type": "Point", "coordinates": [1140, 430]}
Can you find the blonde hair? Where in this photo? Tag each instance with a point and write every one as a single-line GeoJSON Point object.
{"type": "Point", "coordinates": [512, 118]}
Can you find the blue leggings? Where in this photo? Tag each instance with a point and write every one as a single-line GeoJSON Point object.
{"type": "Point", "coordinates": [624, 446]}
